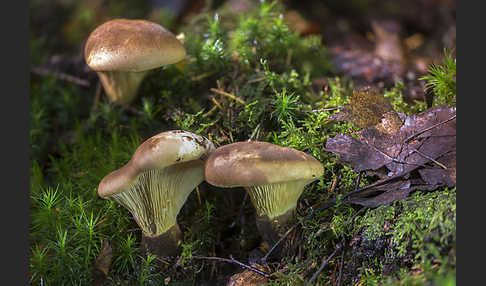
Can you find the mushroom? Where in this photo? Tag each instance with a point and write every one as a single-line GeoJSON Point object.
{"type": "Point", "coordinates": [274, 177]}
{"type": "Point", "coordinates": [155, 184]}
{"type": "Point", "coordinates": [122, 51]}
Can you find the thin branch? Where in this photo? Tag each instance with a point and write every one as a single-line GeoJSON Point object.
{"type": "Point", "coordinates": [60, 75]}
{"type": "Point", "coordinates": [220, 92]}
{"type": "Point", "coordinates": [209, 112]}
{"type": "Point", "coordinates": [427, 129]}
{"type": "Point", "coordinates": [216, 103]}
{"type": "Point", "coordinates": [392, 159]}
{"type": "Point", "coordinates": [430, 158]}
{"type": "Point", "coordinates": [323, 109]}
{"type": "Point", "coordinates": [256, 79]}
{"type": "Point", "coordinates": [324, 263]}
{"type": "Point", "coordinates": [341, 267]}
{"type": "Point", "coordinates": [234, 261]}
{"type": "Point", "coordinates": [202, 76]}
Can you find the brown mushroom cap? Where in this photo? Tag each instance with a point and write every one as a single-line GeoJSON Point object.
{"type": "Point", "coordinates": [259, 163]}
{"type": "Point", "coordinates": [160, 151]}
{"type": "Point", "coordinates": [131, 45]}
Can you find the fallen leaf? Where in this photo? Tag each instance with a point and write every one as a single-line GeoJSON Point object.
{"type": "Point", "coordinates": [436, 175]}
{"type": "Point", "coordinates": [247, 277]}
{"type": "Point", "coordinates": [102, 264]}
{"type": "Point", "coordinates": [420, 146]}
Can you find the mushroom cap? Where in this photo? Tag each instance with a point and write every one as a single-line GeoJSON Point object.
{"type": "Point", "coordinates": [158, 152]}
{"type": "Point", "coordinates": [258, 163]}
{"type": "Point", "coordinates": [131, 46]}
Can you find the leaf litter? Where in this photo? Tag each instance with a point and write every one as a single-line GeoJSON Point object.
{"type": "Point", "coordinates": [411, 152]}
{"type": "Point", "coordinates": [102, 264]}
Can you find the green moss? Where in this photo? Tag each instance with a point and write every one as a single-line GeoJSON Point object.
{"type": "Point", "coordinates": [442, 80]}
{"type": "Point", "coordinates": [423, 228]}
{"type": "Point", "coordinates": [416, 222]}
{"type": "Point", "coordinates": [395, 95]}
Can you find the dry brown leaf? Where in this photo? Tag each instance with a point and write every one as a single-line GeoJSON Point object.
{"type": "Point", "coordinates": [102, 264]}
{"type": "Point", "coordinates": [423, 148]}
{"type": "Point", "coordinates": [247, 278]}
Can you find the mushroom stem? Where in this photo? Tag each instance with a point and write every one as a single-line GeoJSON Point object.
{"type": "Point", "coordinates": [275, 205]}
{"type": "Point", "coordinates": [163, 245]}
{"type": "Point", "coordinates": [276, 199]}
{"type": "Point", "coordinates": [121, 87]}
{"type": "Point", "coordinates": [272, 229]}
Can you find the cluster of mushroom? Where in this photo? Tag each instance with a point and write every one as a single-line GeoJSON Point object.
{"type": "Point", "coordinates": [164, 170]}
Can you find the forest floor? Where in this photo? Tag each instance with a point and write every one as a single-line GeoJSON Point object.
{"type": "Point", "coordinates": [324, 79]}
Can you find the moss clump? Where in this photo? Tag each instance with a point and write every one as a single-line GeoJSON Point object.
{"type": "Point", "coordinates": [442, 80]}
{"type": "Point", "coordinates": [418, 234]}
{"type": "Point", "coordinates": [395, 95]}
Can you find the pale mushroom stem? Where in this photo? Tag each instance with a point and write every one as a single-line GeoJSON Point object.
{"type": "Point", "coordinates": [156, 198]}
{"type": "Point", "coordinates": [275, 205]}
{"type": "Point", "coordinates": [121, 87]}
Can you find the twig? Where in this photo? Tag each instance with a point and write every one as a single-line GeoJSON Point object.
{"type": "Point", "coordinates": [323, 109]}
{"type": "Point", "coordinates": [234, 261]}
{"type": "Point", "coordinates": [430, 158]}
{"type": "Point", "coordinates": [341, 267]}
{"type": "Point", "coordinates": [162, 260]}
{"type": "Point", "coordinates": [324, 263]}
{"type": "Point", "coordinates": [427, 129]}
{"type": "Point", "coordinates": [216, 103]}
{"type": "Point", "coordinates": [209, 112]}
{"type": "Point", "coordinates": [264, 258]}
{"type": "Point", "coordinates": [256, 79]}
{"type": "Point", "coordinates": [220, 92]}
{"type": "Point", "coordinates": [392, 159]}
{"type": "Point", "coordinates": [202, 76]}
{"type": "Point", "coordinates": [60, 75]}
{"type": "Point", "coordinates": [413, 136]}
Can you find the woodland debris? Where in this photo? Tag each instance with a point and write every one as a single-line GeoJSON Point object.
{"type": "Point", "coordinates": [418, 150]}
{"type": "Point", "coordinates": [247, 277]}
{"type": "Point", "coordinates": [102, 264]}
{"type": "Point", "coordinates": [60, 75]}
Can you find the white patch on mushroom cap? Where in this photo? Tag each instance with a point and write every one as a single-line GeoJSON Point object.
{"type": "Point", "coordinates": [190, 144]}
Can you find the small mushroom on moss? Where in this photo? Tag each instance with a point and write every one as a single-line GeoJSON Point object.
{"type": "Point", "coordinates": [155, 184]}
{"type": "Point", "coordinates": [122, 51]}
{"type": "Point", "coordinates": [274, 177]}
